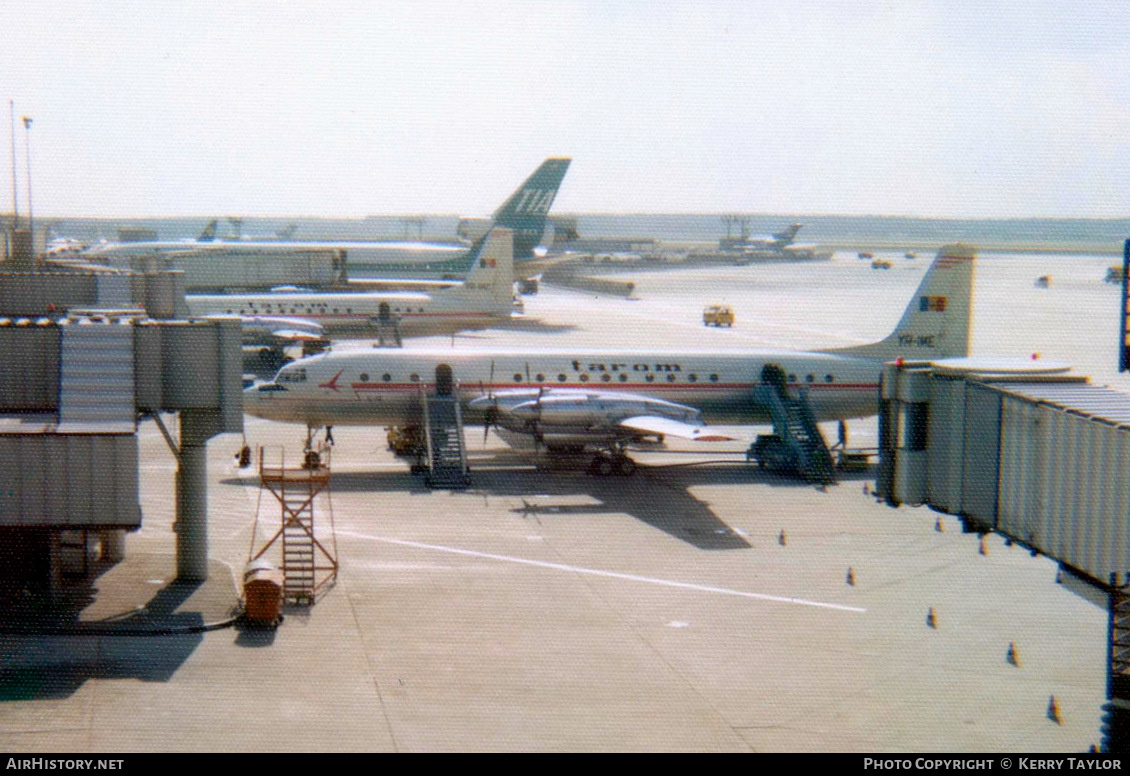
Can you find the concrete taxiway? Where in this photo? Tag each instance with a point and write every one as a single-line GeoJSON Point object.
{"type": "Point", "coordinates": [699, 605]}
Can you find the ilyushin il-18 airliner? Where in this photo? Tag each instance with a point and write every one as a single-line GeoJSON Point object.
{"type": "Point", "coordinates": [572, 399]}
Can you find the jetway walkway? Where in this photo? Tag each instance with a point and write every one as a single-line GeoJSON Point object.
{"type": "Point", "coordinates": [87, 356]}
{"type": "Point", "coordinates": [1034, 454]}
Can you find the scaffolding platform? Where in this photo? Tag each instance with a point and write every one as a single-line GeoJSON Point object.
{"type": "Point", "coordinates": [308, 561]}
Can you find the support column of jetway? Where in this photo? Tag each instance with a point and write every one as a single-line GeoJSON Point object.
{"type": "Point", "coordinates": [200, 370]}
{"type": "Point", "coordinates": [72, 391]}
{"type": "Point", "coordinates": [1034, 454]}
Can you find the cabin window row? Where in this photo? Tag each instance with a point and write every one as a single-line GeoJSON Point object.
{"type": "Point", "coordinates": [320, 310]}
{"type": "Point", "coordinates": [605, 378]}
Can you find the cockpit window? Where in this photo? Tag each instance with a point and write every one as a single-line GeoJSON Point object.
{"type": "Point", "coordinates": [270, 388]}
{"type": "Point", "coordinates": [292, 375]}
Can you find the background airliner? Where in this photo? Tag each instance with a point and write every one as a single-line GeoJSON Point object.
{"type": "Point", "coordinates": [485, 298]}
{"type": "Point", "coordinates": [524, 213]}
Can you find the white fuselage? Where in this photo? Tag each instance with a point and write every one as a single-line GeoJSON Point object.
{"type": "Point", "coordinates": [383, 386]}
{"type": "Point", "coordinates": [362, 252]}
{"type": "Point", "coordinates": [418, 314]}
{"type": "Point", "coordinates": [485, 297]}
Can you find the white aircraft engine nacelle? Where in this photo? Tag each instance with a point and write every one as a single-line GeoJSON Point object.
{"type": "Point", "coordinates": [596, 411]}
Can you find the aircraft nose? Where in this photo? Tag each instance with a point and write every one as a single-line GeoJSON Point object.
{"type": "Point", "coordinates": [257, 399]}
{"type": "Point", "coordinates": [251, 400]}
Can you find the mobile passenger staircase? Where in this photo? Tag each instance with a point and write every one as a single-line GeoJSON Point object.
{"type": "Point", "coordinates": [445, 450]}
{"type": "Point", "coordinates": [387, 327]}
{"type": "Point", "coordinates": [796, 446]}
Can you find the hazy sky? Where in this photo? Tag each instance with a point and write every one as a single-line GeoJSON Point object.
{"type": "Point", "coordinates": [957, 109]}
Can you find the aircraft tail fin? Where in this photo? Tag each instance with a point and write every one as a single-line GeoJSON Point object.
{"type": "Point", "coordinates": [492, 266]}
{"type": "Point", "coordinates": [788, 234]}
{"type": "Point", "coordinates": [525, 211]}
{"type": "Point", "coordinates": [209, 233]}
{"type": "Point", "coordinates": [936, 323]}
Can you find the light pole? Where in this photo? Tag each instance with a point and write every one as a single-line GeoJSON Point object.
{"type": "Point", "coordinates": [27, 150]}
{"type": "Point", "coordinates": [12, 137]}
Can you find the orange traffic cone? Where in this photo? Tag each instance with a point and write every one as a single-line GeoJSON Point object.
{"type": "Point", "coordinates": [782, 539]}
{"type": "Point", "coordinates": [851, 576]}
{"type": "Point", "coordinates": [932, 619]}
{"type": "Point", "coordinates": [1013, 656]}
{"type": "Point", "coordinates": [938, 526]}
{"type": "Point", "coordinates": [1053, 711]}
{"type": "Point", "coordinates": [982, 550]}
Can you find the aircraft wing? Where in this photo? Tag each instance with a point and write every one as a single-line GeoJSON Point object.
{"type": "Point", "coordinates": [652, 424]}
{"type": "Point", "coordinates": [292, 335]}
{"type": "Point", "coordinates": [274, 329]}
{"type": "Point", "coordinates": [400, 284]}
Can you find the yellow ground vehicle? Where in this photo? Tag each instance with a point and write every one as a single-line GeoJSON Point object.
{"type": "Point", "coordinates": [718, 315]}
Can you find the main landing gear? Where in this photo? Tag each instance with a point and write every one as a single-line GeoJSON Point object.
{"type": "Point", "coordinates": [612, 462]}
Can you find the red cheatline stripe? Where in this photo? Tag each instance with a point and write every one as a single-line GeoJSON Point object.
{"type": "Point", "coordinates": [471, 386]}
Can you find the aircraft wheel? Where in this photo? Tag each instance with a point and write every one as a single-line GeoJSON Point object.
{"type": "Point", "coordinates": [602, 466]}
{"type": "Point", "coordinates": [625, 466]}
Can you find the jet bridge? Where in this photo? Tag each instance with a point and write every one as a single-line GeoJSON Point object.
{"type": "Point", "coordinates": [73, 388]}
{"type": "Point", "coordinates": [1034, 454]}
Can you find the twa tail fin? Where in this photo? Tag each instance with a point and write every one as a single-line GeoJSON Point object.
{"type": "Point", "coordinates": [526, 210]}
{"type": "Point", "coordinates": [937, 322]}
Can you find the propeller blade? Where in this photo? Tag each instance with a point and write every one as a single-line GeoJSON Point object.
{"type": "Point", "coordinates": [537, 421]}
{"type": "Point", "coordinates": [490, 418]}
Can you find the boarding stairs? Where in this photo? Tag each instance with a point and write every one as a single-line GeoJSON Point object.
{"type": "Point", "coordinates": [387, 328]}
{"type": "Point", "coordinates": [388, 335]}
{"type": "Point", "coordinates": [795, 430]}
{"type": "Point", "coordinates": [446, 451]}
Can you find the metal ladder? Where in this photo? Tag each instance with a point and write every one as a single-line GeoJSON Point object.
{"type": "Point", "coordinates": [795, 426]}
{"type": "Point", "coordinates": [298, 545]}
{"type": "Point", "coordinates": [307, 564]}
{"type": "Point", "coordinates": [446, 452]}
